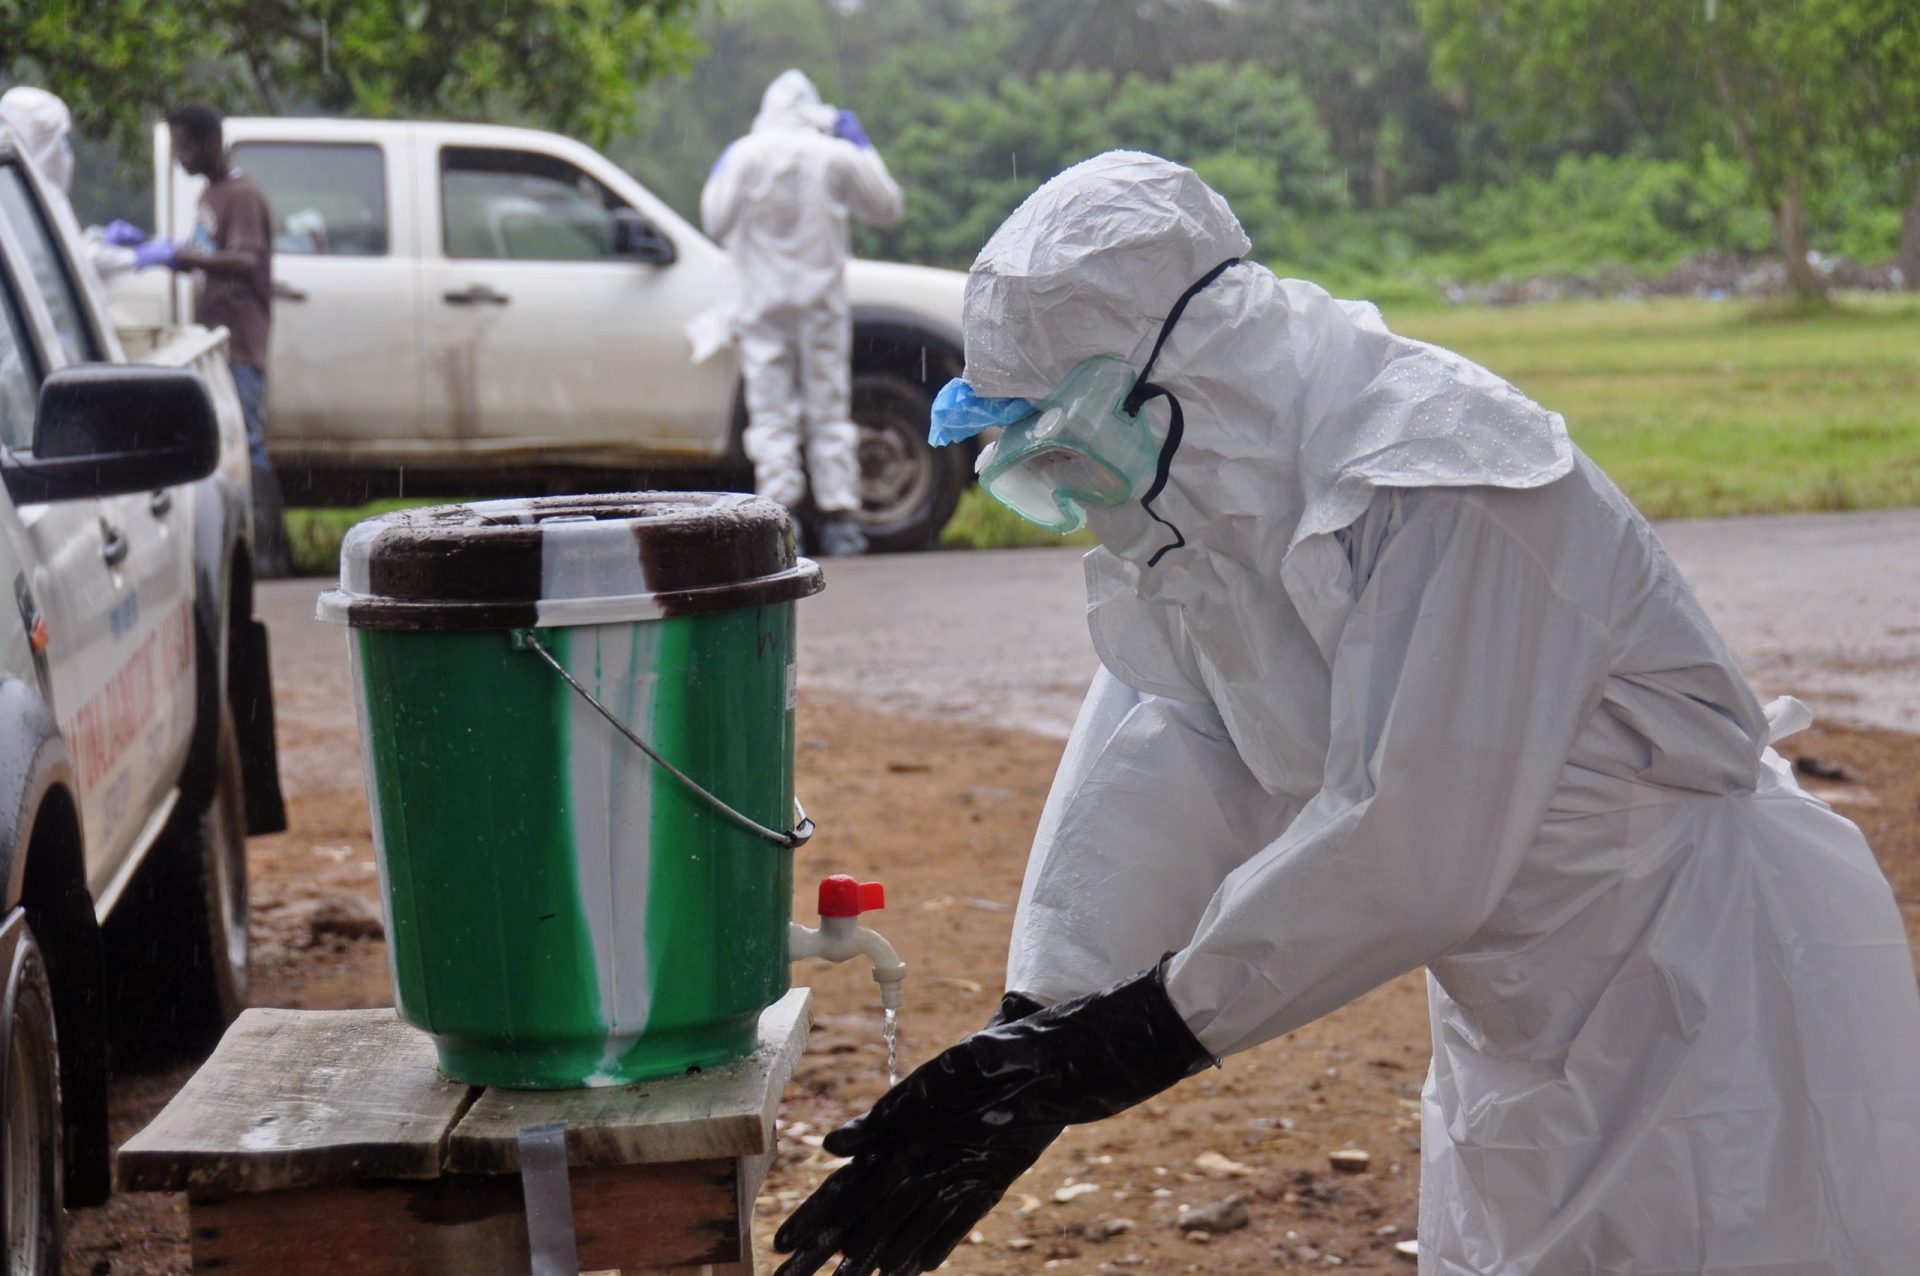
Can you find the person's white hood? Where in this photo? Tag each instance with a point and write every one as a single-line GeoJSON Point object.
{"type": "Point", "coordinates": [42, 122]}
{"type": "Point", "coordinates": [1297, 408]}
{"type": "Point", "coordinates": [791, 102]}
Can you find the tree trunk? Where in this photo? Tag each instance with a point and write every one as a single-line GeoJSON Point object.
{"type": "Point", "coordinates": [1910, 229]}
{"type": "Point", "coordinates": [1790, 218]}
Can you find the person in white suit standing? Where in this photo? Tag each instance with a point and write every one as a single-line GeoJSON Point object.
{"type": "Point", "coordinates": [781, 200]}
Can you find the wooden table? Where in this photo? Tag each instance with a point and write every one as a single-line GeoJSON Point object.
{"type": "Point", "coordinates": [327, 1141]}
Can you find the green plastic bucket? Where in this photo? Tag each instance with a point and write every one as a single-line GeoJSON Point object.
{"type": "Point", "coordinates": [561, 910]}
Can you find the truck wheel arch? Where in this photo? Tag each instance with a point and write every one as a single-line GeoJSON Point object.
{"type": "Point", "coordinates": [883, 342]}
{"type": "Point", "coordinates": [45, 873]}
{"type": "Point", "coordinates": [909, 489]}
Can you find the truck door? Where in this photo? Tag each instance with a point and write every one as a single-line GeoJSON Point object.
{"type": "Point", "coordinates": [110, 579]}
{"type": "Point", "coordinates": [344, 371]}
{"type": "Point", "coordinates": [542, 336]}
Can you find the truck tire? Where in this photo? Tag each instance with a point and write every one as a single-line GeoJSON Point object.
{"type": "Point", "coordinates": [908, 488]}
{"type": "Point", "coordinates": [177, 947]}
{"type": "Point", "coordinates": [31, 1219]}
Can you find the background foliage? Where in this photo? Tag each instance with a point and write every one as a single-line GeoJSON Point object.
{"type": "Point", "coordinates": [566, 64]}
{"type": "Point", "coordinates": [1372, 143]}
{"type": "Point", "coordinates": [1388, 146]}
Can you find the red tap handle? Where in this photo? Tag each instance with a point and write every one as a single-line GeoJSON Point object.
{"type": "Point", "coordinates": [844, 896]}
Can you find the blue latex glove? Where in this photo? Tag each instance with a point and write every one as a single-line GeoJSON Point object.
{"type": "Point", "coordinates": [846, 126]}
{"type": "Point", "coordinates": [959, 413]}
{"type": "Point", "coordinates": [720, 159]}
{"type": "Point", "coordinates": [155, 252]}
{"type": "Point", "coordinates": [124, 234]}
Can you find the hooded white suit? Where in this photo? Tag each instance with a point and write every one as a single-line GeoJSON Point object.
{"type": "Point", "coordinates": [44, 126]}
{"type": "Point", "coordinates": [1424, 689]}
{"type": "Point", "coordinates": [779, 201]}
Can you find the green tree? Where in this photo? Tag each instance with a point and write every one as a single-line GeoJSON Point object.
{"type": "Point", "coordinates": [1767, 77]}
{"type": "Point", "coordinates": [571, 65]}
{"type": "Point", "coordinates": [1881, 39]}
{"type": "Point", "coordinates": [970, 160]}
{"type": "Point", "coordinates": [1364, 64]}
{"type": "Point", "coordinates": [1148, 37]}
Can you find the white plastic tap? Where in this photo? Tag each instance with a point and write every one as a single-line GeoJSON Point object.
{"type": "Point", "coordinates": [841, 937]}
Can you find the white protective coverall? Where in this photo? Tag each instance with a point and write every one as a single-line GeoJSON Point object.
{"type": "Point", "coordinates": [1424, 689]}
{"type": "Point", "coordinates": [779, 201]}
{"type": "Point", "coordinates": [43, 125]}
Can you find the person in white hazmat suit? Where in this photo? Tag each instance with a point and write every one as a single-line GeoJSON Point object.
{"type": "Point", "coordinates": [1393, 676]}
{"type": "Point", "coordinates": [779, 200]}
{"type": "Point", "coordinates": [44, 126]}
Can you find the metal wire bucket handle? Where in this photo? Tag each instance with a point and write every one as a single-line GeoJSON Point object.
{"type": "Point", "coordinates": [802, 830]}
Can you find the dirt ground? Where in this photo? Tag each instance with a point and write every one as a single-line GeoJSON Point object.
{"type": "Point", "coordinates": [942, 814]}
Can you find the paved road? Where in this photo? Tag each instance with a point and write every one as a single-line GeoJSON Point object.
{"type": "Point", "coordinates": [1826, 606]}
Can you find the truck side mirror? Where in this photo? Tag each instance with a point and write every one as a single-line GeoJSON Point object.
{"type": "Point", "coordinates": [635, 237]}
{"type": "Point", "coordinates": [109, 429]}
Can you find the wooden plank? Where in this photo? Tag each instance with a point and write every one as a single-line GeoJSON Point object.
{"type": "Point", "coordinates": [638, 1216]}
{"type": "Point", "coordinates": [725, 1111]}
{"type": "Point", "coordinates": [298, 1097]}
{"type": "Point", "coordinates": [753, 1172]}
{"type": "Point", "coordinates": [627, 1219]}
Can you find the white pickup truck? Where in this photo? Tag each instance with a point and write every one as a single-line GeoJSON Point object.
{"type": "Point", "coordinates": [465, 309]}
{"type": "Point", "coordinates": [136, 714]}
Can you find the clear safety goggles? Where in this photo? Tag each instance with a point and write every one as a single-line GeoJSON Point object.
{"type": "Point", "coordinates": [1076, 448]}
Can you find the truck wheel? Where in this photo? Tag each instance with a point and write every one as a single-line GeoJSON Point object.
{"type": "Point", "coordinates": [908, 488]}
{"type": "Point", "coordinates": [177, 948]}
{"type": "Point", "coordinates": [30, 1171]}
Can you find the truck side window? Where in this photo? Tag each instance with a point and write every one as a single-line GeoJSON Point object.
{"type": "Point", "coordinates": [329, 199]}
{"type": "Point", "coordinates": [19, 377]}
{"type": "Point", "coordinates": [524, 206]}
{"type": "Point", "coordinates": [50, 270]}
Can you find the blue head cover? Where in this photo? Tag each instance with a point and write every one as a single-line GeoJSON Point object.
{"type": "Point", "coordinates": [959, 413]}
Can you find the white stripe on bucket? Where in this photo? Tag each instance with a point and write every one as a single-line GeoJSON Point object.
{"type": "Point", "coordinates": [611, 807]}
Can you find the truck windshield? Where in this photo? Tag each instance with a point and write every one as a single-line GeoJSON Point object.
{"type": "Point", "coordinates": [19, 377]}
{"type": "Point", "coordinates": [50, 270]}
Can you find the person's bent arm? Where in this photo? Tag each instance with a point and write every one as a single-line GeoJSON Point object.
{"type": "Point", "coordinates": [225, 261]}
{"type": "Point", "coordinates": [872, 194]}
{"type": "Point", "coordinates": [1460, 681]}
{"type": "Point", "coordinates": [1150, 809]}
{"type": "Point", "coordinates": [720, 198]}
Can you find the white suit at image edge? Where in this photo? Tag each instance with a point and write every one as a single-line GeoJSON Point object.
{"type": "Point", "coordinates": [43, 124]}
{"type": "Point", "coordinates": [1424, 689]}
{"type": "Point", "coordinates": [779, 201]}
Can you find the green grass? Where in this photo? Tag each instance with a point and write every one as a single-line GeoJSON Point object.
{"type": "Point", "coordinates": [313, 535]}
{"type": "Point", "coordinates": [1701, 408]}
{"type": "Point", "coordinates": [984, 523]}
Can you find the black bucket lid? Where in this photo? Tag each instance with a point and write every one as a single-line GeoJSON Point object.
{"type": "Point", "coordinates": [567, 560]}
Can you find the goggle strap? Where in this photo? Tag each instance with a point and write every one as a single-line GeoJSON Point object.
{"type": "Point", "coordinates": [1176, 428]}
{"type": "Point", "coordinates": [1141, 387]}
{"type": "Point", "coordinates": [1144, 390]}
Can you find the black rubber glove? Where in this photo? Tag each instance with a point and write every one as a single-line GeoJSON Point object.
{"type": "Point", "coordinates": [940, 1149]}
{"type": "Point", "coordinates": [1013, 1005]}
